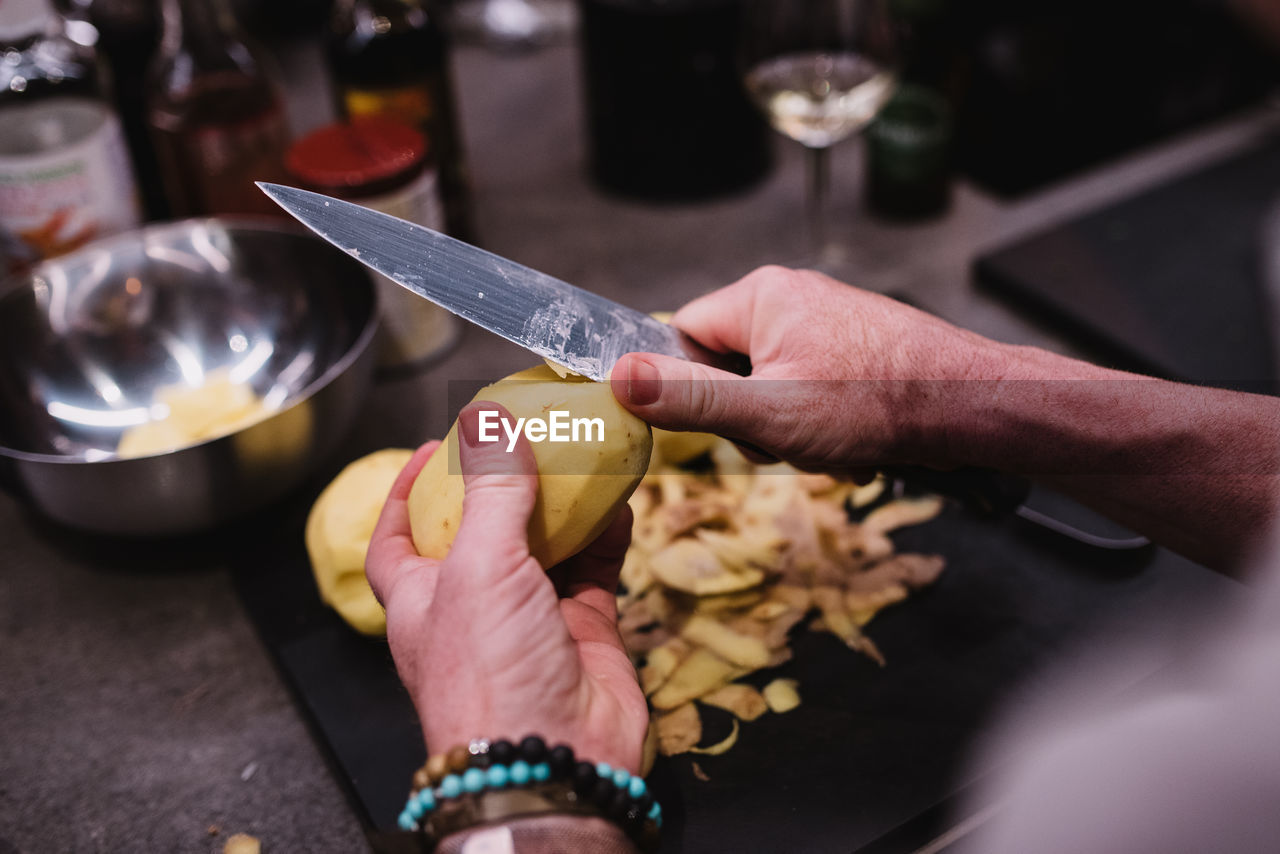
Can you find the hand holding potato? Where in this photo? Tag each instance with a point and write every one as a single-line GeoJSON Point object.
{"type": "Point", "coordinates": [488, 643]}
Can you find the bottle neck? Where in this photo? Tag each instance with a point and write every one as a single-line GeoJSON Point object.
{"type": "Point", "coordinates": [373, 18]}
{"type": "Point", "coordinates": [201, 36]}
{"type": "Point", "coordinates": [196, 22]}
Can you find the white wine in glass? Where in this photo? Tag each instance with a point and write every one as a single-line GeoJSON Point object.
{"type": "Point", "coordinates": [819, 98]}
{"type": "Point", "coordinates": [820, 71]}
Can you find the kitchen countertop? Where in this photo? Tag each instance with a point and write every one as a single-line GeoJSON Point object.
{"type": "Point", "coordinates": [138, 707]}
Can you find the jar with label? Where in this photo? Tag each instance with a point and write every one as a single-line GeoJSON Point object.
{"type": "Point", "coordinates": [65, 177]}
{"type": "Point", "coordinates": [382, 163]}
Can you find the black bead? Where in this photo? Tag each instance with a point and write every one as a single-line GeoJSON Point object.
{"type": "Point", "coordinates": [481, 760]}
{"type": "Point", "coordinates": [533, 750]}
{"type": "Point", "coordinates": [502, 752]}
{"type": "Point", "coordinates": [561, 761]}
{"type": "Point", "coordinates": [633, 821]}
{"type": "Point", "coordinates": [602, 794]}
{"type": "Point", "coordinates": [644, 803]}
{"type": "Point", "coordinates": [619, 804]}
{"type": "Point", "coordinates": [584, 778]}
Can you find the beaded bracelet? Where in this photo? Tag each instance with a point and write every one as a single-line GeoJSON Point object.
{"type": "Point", "coordinates": [447, 790]}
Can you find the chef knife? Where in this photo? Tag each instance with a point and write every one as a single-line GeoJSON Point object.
{"type": "Point", "coordinates": [577, 329]}
{"type": "Point", "coordinates": [582, 331]}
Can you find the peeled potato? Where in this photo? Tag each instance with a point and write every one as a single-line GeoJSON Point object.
{"type": "Point", "coordinates": [215, 408]}
{"type": "Point", "coordinates": [581, 485]}
{"type": "Point", "coordinates": [338, 531]}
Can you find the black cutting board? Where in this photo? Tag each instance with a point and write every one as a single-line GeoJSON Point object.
{"type": "Point", "coordinates": [1170, 282]}
{"type": "Point", "coordinates": [869, 754]}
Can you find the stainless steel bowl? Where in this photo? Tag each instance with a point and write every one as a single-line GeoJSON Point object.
{"type": "Point", "coordinates": [88, 338]}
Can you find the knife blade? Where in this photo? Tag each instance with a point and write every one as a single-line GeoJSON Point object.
{"type": "Point", "coordinates": [582, 331]}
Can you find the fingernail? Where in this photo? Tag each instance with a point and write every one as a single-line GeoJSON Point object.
{"type": "Point", "coordinates": [643, 383]}
{"type": "Point", "coordinates": [469, 426]}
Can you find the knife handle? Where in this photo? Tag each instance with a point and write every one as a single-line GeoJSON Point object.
{"type": "Point", "coordinates": [990, 492]}
{"type": "Point", "coordinates": [734, 363]}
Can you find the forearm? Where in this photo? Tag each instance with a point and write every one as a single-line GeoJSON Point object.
{"type": "Point", "coordinates": [1196, 469]}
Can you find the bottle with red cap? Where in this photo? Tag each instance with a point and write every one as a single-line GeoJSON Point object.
{"type": "Point", "coordinates": [380, 162]}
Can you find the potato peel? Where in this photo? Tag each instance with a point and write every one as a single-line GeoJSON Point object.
{"type": "Point", "coordinates": [781, 695]}
{"type": "Point", "coordinates": [734, 647]}
{"type": "Point", "coordinates": [726, 562]}
{"type": "Point", "coordinates": [741, 701]}
{"type": "Point", "coordinates": [720, 746]}
{"type": "Point", "coordinates": [691, 566]}
{"type": "Point", "coordinates": [901, 513]}
{"type": "Point", "coordinates": [679, 730]}
{"type": "Point", "coordinates": [701, 672]}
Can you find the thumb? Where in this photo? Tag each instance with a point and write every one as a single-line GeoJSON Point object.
{"type": "Point", "coordinates": [501, 487]}
{"type": "Point", "coordinates": [678, 395]}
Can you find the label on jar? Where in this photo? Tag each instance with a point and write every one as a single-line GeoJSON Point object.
{"type": "Point", "coordinates": [414, 329]}
{"type": "Point", "coordinates": [65, 179]}
{"type": "Point", "coordinates": [412, 104]}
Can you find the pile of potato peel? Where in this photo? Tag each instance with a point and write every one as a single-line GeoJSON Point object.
{"type": "Point", "coordinates": [728, 558]}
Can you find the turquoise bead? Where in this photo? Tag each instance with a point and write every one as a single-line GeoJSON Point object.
{"type": "Point", "coordinates": [427, 800]}
{"type": "Point", "coordinates": [603, 769]}
{"type": "Point", "coordinates": [621, 777]}
{"type": "Point", "coordinates": [414, 807]}
{"type": "Point", "coordinates": [541, 772]}
{"type": "Point", "coordinates": [451, 786]}
{"type": "Point", "coordinates": [655, 812]}
{"type": "Point", "coordinates": [406, 821]}
{"type": "Point", "coordinates": [636, 787]}
{"type": "Point", "coordinates": [496, 776]}
{"type": "Point", "coordinates": [472, 780]}
{"type": "Point", "coordinates": [520, 772]}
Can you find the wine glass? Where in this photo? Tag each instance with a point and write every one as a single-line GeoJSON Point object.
{"type": "Point", "coordinates": [820, 70]}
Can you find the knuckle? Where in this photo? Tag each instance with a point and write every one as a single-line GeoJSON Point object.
{"type": "Point", "coordinates": [500, 487]}
{"type": "Point", "coordinates": [701, 400]}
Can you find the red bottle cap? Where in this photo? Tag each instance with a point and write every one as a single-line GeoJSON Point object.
{"type": "Point", "coordinates": [364, 156]}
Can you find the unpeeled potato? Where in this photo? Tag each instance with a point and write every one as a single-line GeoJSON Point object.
{"type": "Point", "coordinates": [581, 485]}
{"type": "Point", "coordinates": [338, 531]}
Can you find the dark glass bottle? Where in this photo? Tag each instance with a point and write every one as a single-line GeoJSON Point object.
{"type": "Point", "coordinates": [129, 32]}
{"type": "Point", "coordinates": [217, 119]}
{"type": "Point", "coordinates": [392, 56]}
{"type": "Point", "coordinates": [64, 169]}
{"type": "Point", "coordinates": [667, 115]}
{"type": "Point", "coordinates": [909, 145]}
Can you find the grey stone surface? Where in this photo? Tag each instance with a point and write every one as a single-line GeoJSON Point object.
{"type": "Point", "coordinates": [138, 709]}
{"type": "Point", "coordinates": [139, 712]}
